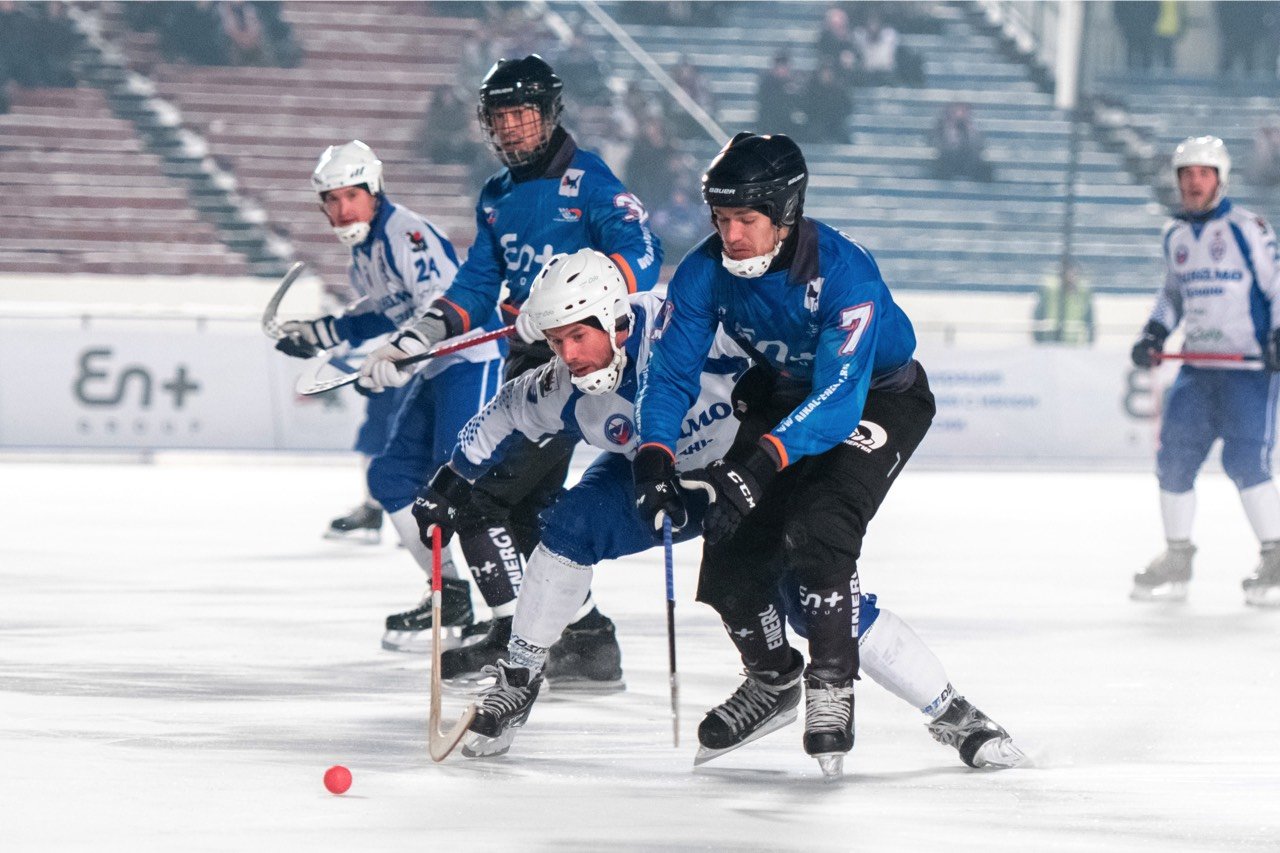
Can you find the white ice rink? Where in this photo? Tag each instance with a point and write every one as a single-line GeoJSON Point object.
{"type": "Point", "coordinates": [182, 656]}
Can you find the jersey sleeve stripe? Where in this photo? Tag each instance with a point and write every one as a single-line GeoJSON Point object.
{"type": "Point", "coordinates": [625, 268]}
{"type": "Point", "coordinates": [668, 450]}
{"type": "Point", "coordinates": [457, 311]}
{"type": "Point", "coordinates": [778, 448]}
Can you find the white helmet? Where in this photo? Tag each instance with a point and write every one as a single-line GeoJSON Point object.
{"type": "Point", "coordinates": [348, 165]}
{"type": "Point", "coordinates": [1204, 151]}
{"type": "Point", "coordinates": [578, 287]}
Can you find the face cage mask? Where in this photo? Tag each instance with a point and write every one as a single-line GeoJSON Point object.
{"type": "Point", "coordinates": [751, 267]}
{"type": "Point", "coordinates": [548, 117]}
{"type": "Point", "coordinates": [604, 380]}
{"type": "Point", "coordinates": [352, 235]}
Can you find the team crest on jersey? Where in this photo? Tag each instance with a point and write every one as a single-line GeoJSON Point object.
{"type": "Point", "coordinates": [868, 436]}
{"type": "Point", "coordinates": [812, 293]}
{"type": "Point", "coordinates": [549, 381]}
{"type": "Point", "coordinates": [417, 241]}
{"type": "Point", "coordinates": [1180, 255]}
{"type": "Point", "coordinates": [661, 322]}
{"type": "Point", "coordinates": [571, 182]}
{"type": "Point", "coordinates": [619, 429]}
{"type": "Point", "coordinates": [490, 216]}
{"type": "Point", "coordinates": [635, 211]}
{"type": "Point", "coordinates": [569, 214]}
{"type": "Point", "coordinates": [1218, 247]}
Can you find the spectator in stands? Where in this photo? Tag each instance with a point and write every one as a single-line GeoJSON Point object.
{"type": "Point", "coordinates": [37, 42]}
{"type": "Point", "coordinates": [1064, 309]}
{"type": "Point", "coordinates": [618, 139]}
{"type": "Point", "coordinates": [776, 97]}
{"type": "Point", "coordinates": [1240, 26]}
{"type": "Point", "coordinates": [478, 53]}
{"type": "Point", "coordinates": [1136, 20]}
{"type": "Point", "coordinates": [835, 44]}
{"type": "Point", "coordinates": [446, 135]}
{"type": "Point", "coordinates": [827, 106]}
{"type": "Point", "coordinates": [688, 77]}
{"type": "Point", "coordinates": [680, 220]}
{"type": "Point", "coordinates": [192, 32]}
{"type": "Point", "coordinates": [960, 146]}
{"type": "Point", "coordinates": [877, 46]}
{"type": "Point", "coordinates": [1266, 155]}
{"type": "Point", "coordinates": [649, 173]}
{"type": "Point", "coordinates": [579, 63]}
{"type": "Point", "coordinates": [284, 47]}
{"type": "Point", "coordinates": [1168, 31]}
{"type": "Point", "coordinates": [246, 41]}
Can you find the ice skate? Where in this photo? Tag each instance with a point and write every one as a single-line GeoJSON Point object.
{"type": "Point", "coordinates": [586, 658]}
{"type": "Point", "coordinates": [411, 631]}
{"type": "Point", "coordinates": [1262, 588]}
{"type": "Point", "coordinates": [363, 524]}
{"type": "Point", "coordinates": [764, 703]}
{"type": "Point", "coordinates": [503, 707]}
{"type": "Point", "coordinates": [828, 723]}
{"type": "Point", "coordinates": [466, 664]}
{"type": "Point", "coordinates": [980, 741]}
{"type": "Point", "coordinates": [1166, 577]}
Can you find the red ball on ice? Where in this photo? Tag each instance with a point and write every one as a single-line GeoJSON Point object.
{"type": "Point", "coordinates": [337, 779]}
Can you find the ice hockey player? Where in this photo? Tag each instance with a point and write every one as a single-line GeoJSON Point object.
{"type": "Point", "coordinates": [602, 339]}
{"type": "Point", "coordinates": [400, 263]}
{"type": "Point", "coordinates": [831, 349]}
{"type": "Point", "coordinates": [550, 196]}
{"type": "Point", "coordinates": [1221, 283]}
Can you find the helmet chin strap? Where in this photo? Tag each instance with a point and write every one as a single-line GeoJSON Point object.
{"type": "Point", "coordinates": [606, 379]}
{"type": "Point", "coordinates": [352, 235]}
{"type": "Point", "coordinates": [751, 267]}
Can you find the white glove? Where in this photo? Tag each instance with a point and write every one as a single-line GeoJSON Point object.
{"type": "Point", "coordinates": [321, 332]}
{"type": "Point", "coordinates": [379, 371]}
{"type": "Point", "coordinates": [528, 332]}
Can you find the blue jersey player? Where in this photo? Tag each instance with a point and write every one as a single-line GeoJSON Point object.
{"type": "Point", "coordinates": [832, 410]}
{"type": "Point", "coordinates": [400, 263]}
{"type": "Point", "coordinates": [1221, 284]}
{"type": "Point", "coordinates": [551, 197]}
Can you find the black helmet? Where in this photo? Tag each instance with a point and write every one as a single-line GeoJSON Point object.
{"type": "Point", "coordinates": [520, 82]}
{"type": "Point", "coordinates": [765, 172]}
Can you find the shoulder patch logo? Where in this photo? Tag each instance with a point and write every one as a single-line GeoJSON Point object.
{"type": "Point", "coordinates": [812, 293]}
{"type": "Point", "coordinates": [661, 322]}
{"type": "Point", "coordinates": [635, 211]}
{"type": "Point", "coordinates": [571, 182]}
{"type": "Point", "coordinates": [549, 381]}
{"type": "Point", "coordinates": [416, 239]}
{"type": "Point", "coordinates": [619, 429]}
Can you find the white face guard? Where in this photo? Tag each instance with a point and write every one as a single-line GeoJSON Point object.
{"type": "Point", "coordinates": [606, 379]}
{"type": "Point", "coordinates": [751, 267]}
{"type": "Point", "coordinates": [352, 235]}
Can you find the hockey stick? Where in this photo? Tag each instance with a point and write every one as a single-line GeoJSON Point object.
{"type": "Point", "coordinates": [671, 632]}
{"type": "Point", "coordinates": [1204, 356]}
{"type": "Point", "coordinates": [439, 742]}
{"type": "Point", "coordinates": [270, 325]}
{"type": "Point", "coordinates": [452, 345]}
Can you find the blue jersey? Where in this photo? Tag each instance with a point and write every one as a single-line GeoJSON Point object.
{"type": "Point", "coordinates": [576, 203]}
{"type": "Point", "coordinates": [827, 324]}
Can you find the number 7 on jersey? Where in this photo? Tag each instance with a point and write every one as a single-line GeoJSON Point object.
{"type": "Point", "coordinates": [855, 321]}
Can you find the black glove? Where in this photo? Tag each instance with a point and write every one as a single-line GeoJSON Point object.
{"type": "Point", "coordinates": [734, 486]}
{"type": "Point", "coordinates": [1146, 351]}
{"type": "Point", "coordinates": [1271, 355]}
{"type": "Point", "coordinates": [297, 348]}
{"type": "Point", "coordinates": [752, 390]}
{"type": "Point", "coordinates": [657, 492]}
{"type": "Point", "coordinates": [438, 502]}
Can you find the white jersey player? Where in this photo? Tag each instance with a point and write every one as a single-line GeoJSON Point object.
{"type": "Point", "coordinates": [1222, 285]}
{"type": "Point", "coordinates": [601, 338]}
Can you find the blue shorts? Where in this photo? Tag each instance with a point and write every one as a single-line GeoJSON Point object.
{"type": "Point", "coordinates": [1203, 405]}
{"type": "Point", "coordinates": [379, 411]}
{"type": "Point", "coordinates": [425, 429]}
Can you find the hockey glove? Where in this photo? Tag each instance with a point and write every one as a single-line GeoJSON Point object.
{"type": "Point", "coordinates": [379, 370]}
{"type": "Point", "coordinates": [657, 492]}
{"type": "Point", "coordinates": [734, 487]}
{"type": "Point", "coordinates": [1146, 352]}
{"type": "Point", "coordinates": [308, 338]}
{"type": "Point", "coordinates": [438, 502]}
{"type": "Point", "coordinates": [1271, 357]}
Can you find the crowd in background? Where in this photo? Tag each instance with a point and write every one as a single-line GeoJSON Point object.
{"type": "Point", "coordinates": [37, 46]}
{"type": "Point", "coordinates": [1248, 35]}
{"type": "Point", "coordinates": [226, 32]}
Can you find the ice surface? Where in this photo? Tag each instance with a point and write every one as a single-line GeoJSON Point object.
{"type": "Point", "coordinates": [182, 657]}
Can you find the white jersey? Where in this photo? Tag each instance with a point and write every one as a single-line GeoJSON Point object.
{"type": "Point", "coordinates": [400, 270]}
{"type": "Point", "coordinates": [1222, 282]}
{"type": "Point", "coordinates": [544, 402]}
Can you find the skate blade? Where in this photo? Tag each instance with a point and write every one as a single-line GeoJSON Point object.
{"type": "Point", "coordinates": [359, 537]}
{"type": "Point", "coordinates": [786, 718]}
{"type": "Point", "coordinates": [999, 753]}
{"type": "Point", "coordinates": [586, 685]}
{"type": "Point", "coordinates": [419, 642]}
{"type": "Point", "coordinates": [1262, 596]}
{"type": "Point", "coordinates": [831, 764]}
{"type": "Point", "coordinates": [479, 746]}
{"type": "Point", "coordinates": [1169, 592]}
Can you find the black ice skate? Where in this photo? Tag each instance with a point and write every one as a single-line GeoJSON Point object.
{"type": "Point", "coordinates": [1166, 577]}
{"type": "Point", "coordinates": [979, 739]}
{"type": "Point", "coordinates": [503, 707]}
{"type": "Point", "coordinates": [411, 631]}
{"type": "Point", "coordinates": [1262, 588]}
{"type": "Point", "coordinates": [466, 664]}
{"type": "Point", "coordinates": [764, 703]}
{"type": "Point", "coordinates": [363, 524]}
{"type": "Point", "coordinates": [586, 658]}
{"type": "Point", "coordinates": [828, 723]}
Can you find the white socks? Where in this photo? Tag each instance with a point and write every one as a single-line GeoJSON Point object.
{"type": "Point", "coordinates": [407, 526]}
{"type": "Point", "coordinates": [899, 661]}
{"type": "Point", "coordinates": [1177, 511]}
{"type": "Point", "coordinates": [1262, 506]}
{"type": "Point", "coordinates": [551, 597]}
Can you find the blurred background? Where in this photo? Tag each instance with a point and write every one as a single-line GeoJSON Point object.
{"type": "Point", "coordinates": [1005, 162]}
